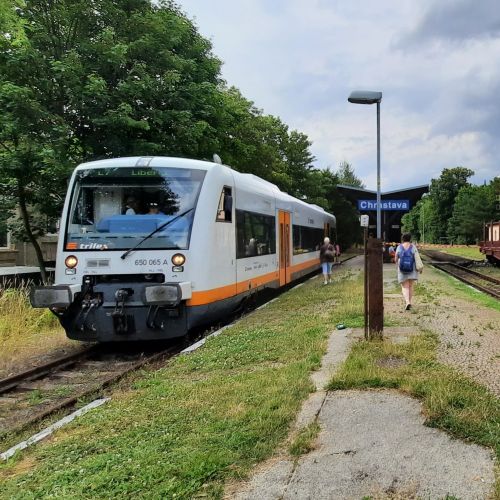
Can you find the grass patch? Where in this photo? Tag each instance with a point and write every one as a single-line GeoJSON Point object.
{"type": "Point", "coordinates": [18, 318]}
{"type": "Point", "coordinates": [457, 287]}
{"type": "Point", "coordinates": [466, 251]}
{"type": "Point", "coordinates": [451, 401]}
{"type": "Point", "coordinates": [25, 331]}
{"type": "Point", "coordinates": [180, 432]}
{"type": "Point", "coordinates": [304, 441]}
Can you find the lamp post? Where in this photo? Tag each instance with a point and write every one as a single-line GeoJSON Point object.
{"type": "Point", "coordinates": [423, 217]}
{"type": "Point", "coordinates": [374, 255]}
{"type": "Point", "coordinates": [370, 97]}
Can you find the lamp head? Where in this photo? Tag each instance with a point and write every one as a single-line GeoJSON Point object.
{"type": "Point", "coordinates": [365, 97]}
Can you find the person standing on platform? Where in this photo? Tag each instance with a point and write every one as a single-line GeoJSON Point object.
{"type": "Point", "coordinates": [407, 270]}
{"type": "Point", "coordinates": [392, 252]}
{"type": "Point", "coordinates": [326, 258]}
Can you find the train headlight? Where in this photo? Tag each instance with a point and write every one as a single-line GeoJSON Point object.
{"type": "Point", "coordinates": [178, 259]}
{"type": "Point", "coordinates": [71, 261]}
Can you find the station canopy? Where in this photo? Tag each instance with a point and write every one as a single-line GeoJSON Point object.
{"type": "Point", "coordinates": [394, 205]}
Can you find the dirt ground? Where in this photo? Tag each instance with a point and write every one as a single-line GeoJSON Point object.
{"type": "Point", "coordinates": [34, 350]}
{"type": "Point", "coordinates": [469, 333]}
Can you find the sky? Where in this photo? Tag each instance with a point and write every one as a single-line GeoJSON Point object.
{"type": "Point", "coordinates": [435, 61]}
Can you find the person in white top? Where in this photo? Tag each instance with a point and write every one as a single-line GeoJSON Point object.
{"type": "Point", "coordinates": [131, 206]}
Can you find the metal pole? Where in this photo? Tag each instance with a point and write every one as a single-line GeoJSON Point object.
{"type": "Point", "coordinates": [379, 226]}
{"type": "Point", "coordinates": [423, 224]}
{"type": "Point", "coordinates": [365, 238]}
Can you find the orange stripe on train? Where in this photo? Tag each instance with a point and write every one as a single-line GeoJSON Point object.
{"type": "Point", "coordinates": [224, 292]}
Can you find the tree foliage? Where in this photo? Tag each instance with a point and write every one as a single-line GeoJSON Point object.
{"type": "Point", "coordinates": [443, 192]}
{"type": "Point", "coordinates": [474, 206]}
{"type": "Point", "coordinates": [83, 80]}
{"type": "Point", "coordinates": [347, 176]}
{"type": "Point", "coordinates": [466, 208]}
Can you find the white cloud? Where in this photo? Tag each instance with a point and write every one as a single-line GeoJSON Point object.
{"type": "Point", "coordinates": [300, 59]}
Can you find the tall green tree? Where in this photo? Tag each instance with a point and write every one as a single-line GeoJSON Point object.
{"type": "Point", "coordinates": [347, 176]}
{"type": "Point", "coordinates": [474, 206]}
{"type": "Point", "coordinates": [443, 192]}
{"type": "Point", "coordinates": [410, 221]}
{"type": "Point", "coordinates": [329, 197]}
{"type": "Point", "coordinates": [83, 80]}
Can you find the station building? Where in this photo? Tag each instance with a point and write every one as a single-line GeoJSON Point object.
{"type": "Point", "coordinates": [394, 205]}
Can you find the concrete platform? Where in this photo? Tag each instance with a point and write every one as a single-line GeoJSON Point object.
{"type": "Point", "coordinates": [20, 276]}
{"type": "Point", "coordinates": [18, 270]}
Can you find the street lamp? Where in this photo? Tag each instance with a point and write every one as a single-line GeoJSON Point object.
{"type": "Point", "coordinates": [370, 97]}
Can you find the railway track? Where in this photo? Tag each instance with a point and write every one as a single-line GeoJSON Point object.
{"type": "Point", "coordinates": [30, 396]}
{"type": "Point", "coordinates": [486, 284]}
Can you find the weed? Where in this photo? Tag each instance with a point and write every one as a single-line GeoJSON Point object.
{"type": "Point", "coordinates": [304, 441]}
{"type": "Point", "coordinates": [35, 397]}
{"type": "Point", "coordinates": [25, 331]}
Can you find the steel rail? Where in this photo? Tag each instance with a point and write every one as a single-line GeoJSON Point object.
{"type": "Point", "coordinates": [461, 274]}
{"type": "Point", "coordinates": [9, 383]}
{"type": "Point", "coordinates": [91, 389]}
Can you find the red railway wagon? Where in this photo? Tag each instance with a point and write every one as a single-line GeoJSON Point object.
{"type": "Point", "coordinates": [491, 244]}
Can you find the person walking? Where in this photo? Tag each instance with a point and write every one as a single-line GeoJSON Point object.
{"type": "Point", "coordinates": [326, 258]}
{"type": "Point", "coordinates": [407, 270]}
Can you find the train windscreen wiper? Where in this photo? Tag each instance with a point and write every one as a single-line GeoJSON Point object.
{"type": "Point", "coordinates": [159, 228]}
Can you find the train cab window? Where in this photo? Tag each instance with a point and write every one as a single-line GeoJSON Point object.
{"type": "Point", "coordinates": [225, 208]}
{"type": "Point", "coordinates": [116, 208]}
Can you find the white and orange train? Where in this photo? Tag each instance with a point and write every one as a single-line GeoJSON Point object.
{"type": "Point", "coordinates": [150, 247]}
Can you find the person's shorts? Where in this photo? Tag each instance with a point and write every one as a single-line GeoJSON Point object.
{"type": "Point", "coordinates": [327, 267]}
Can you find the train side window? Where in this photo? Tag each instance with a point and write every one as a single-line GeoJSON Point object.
{"type": "Point", "coordinates": [255, 234]}
{"type": "Point", "coordinates": [225, 208]}
{"type": "Point", "coordinates": [307, 239]}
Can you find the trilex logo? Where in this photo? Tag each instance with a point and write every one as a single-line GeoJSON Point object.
{"type": "Point", "coordinates": [93, 246]}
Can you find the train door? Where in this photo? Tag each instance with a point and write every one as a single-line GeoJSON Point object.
{"type": "Point", "coordinates": [284, 247]}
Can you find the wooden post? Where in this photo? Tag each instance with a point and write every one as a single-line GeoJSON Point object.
{"type": "Point", "coordinates": [375, 288]}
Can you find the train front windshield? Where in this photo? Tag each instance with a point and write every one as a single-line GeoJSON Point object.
{"type": "Point", "coordinates": [115, 208]}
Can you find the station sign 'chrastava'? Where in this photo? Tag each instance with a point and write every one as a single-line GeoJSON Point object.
{"type": "Point", "coordinates": [364, 205]}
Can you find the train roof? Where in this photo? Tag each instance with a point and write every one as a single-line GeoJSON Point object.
{"type": "Point", "coordinates": [146, 161]}
{"type": "Point", "coordinates": [174, 162]}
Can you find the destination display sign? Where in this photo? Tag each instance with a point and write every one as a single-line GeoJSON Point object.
{"type": "Point", "coordinates": [403, 205]}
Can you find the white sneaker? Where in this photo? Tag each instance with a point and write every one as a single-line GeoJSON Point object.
{"type": "Point", "coordinates": [325, 282]}
{"type": "Point", "coordinates": [329, 281]}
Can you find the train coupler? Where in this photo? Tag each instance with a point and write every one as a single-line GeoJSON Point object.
{"type": "Point", "coordinates": [123, 324]}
